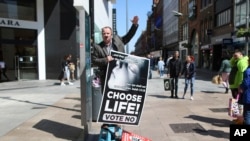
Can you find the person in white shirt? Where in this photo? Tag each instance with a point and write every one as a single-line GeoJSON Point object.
{"type": "Point", "coordinates": [161, 67]}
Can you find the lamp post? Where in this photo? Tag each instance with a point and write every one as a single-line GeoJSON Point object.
{"type": "Point", "coordinates": [247, 26]}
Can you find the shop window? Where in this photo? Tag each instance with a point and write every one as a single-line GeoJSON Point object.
{"type": "Point", "coordinates": [18, 9]}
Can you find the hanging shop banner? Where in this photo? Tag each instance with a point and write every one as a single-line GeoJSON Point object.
{"type": "Point", "coordinates": [124, 89]}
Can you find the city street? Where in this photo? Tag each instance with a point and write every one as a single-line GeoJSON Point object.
{"type": "Point", "coordinates": [43, 110]}
{"type": "Point", "coordinates": [169, 119]}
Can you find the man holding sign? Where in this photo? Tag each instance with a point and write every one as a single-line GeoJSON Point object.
{"type": "Point", "coordinates": [101, 52]}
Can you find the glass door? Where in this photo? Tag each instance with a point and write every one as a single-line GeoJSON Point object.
{"type": "Point", "coordinates": [19, 52]}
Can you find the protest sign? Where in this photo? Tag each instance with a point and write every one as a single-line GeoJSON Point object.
{"type": "Point", "coordinates": [124, 89]}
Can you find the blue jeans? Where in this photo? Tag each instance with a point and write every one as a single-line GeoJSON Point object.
{"type": "Point", "coordinates": [161, 73]}
{"type": "Point", "coordinates": [191, 81]}
{"type": "Point", "coordinates": [246, 114]}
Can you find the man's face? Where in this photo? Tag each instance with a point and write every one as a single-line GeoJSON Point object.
{"type": "Point", "coordinates": [237, 55]}
{"type": "Point", "coordinates": [176, 54]}
{"type": "Point", "coordinates": [106, 35]}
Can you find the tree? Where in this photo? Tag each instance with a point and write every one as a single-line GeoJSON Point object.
{"type": "Point", "coordinates": [243, 32]}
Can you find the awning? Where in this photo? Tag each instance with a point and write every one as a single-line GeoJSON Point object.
{"type": "Point", "coordinates": [206, 47]}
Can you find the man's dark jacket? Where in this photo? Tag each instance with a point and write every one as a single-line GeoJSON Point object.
{"type": "Point", "coordinates": [174, 67]}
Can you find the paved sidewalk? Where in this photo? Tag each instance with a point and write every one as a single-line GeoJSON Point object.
{"type": "Point", "coordinates": [52, 121]}
{"type": "Point", "coordinates": [166, 119]}
{"type": "Point", "coordinates": [163, 118]}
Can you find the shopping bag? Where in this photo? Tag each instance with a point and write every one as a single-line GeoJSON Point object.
{"type": "Point", "coordinates": [234, 108]}
{"type": "Point", "coordinates": [129, 136]}
{"type": "Point", "coordinates": [167, 84]}
{"type": "Point", "coordinates": [217, 79]}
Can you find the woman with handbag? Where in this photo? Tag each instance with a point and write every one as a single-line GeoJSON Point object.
{"type": "Point", "coordinates": [65, 72]}
{"type": "Point", "coordinates": [224, 71]}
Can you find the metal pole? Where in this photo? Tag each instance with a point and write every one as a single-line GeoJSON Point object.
{"type": "Point", "coordinates": [127, 46]}
{"type": "Point", "coordinates": [247, 26]}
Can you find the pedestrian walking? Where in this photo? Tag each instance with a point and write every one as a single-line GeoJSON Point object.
{"type": "Point", "coordinates": [161, 67]}
{"type": "Point", "coordinates": [101, 52]}
{"type": "Point", "coordinates": [65, 72]}
{"type": "Point", "coordinates": [225, 69]}
{"type": "Point", "coordinates": [239, 64]}
{"type": "Point", "coordinates": [174, 72]}
{"type": "Point", "coordinates": [189, 71]}
{"type": "Point", "coordinates": [3, 70]}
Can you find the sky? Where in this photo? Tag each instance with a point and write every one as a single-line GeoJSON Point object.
{"type": "Point", "coordinates": [138, 8]}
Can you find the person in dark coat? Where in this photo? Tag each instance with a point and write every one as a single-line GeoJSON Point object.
{"type": "Point", "coordinates": [189, 74]}
{"type": "Point", "coordinates": [174, 72]}
{"type": "Point", "coordinates": [101, 52]}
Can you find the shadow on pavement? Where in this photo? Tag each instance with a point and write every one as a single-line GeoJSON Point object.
{"type": "Point", "coordinates": [215, 133]}
{"type": "Point", "coordinates": [20, 88]}
{"type": "Point", "coordinates": [93, 137]}
{"type": "Point", "coordinates": [215, 122]}
{"type": "Point", "coordinates": [73, 98]}
{"type": "Point", "coordinates": [59, 130]}
{"type": "Point", "coordinates": [212, 92]}
{"type": "Point", "coordinates": [40, 104]}
{"type": "Point", "coordinates": [159, 96]}
{"type": "Point", "coordinates": [76, 116]}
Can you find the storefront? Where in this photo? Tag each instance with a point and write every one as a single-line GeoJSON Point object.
{"type": "Point", "coordinates": [222, 43]}
{"type": "Point", "coordinates": [35, 35]}
{"type": "Point", "coordinates": [22, 37]}
{"type": "Point", "coordinates": [206, 57]}
{"type": "Point", "coordinates": [20, 45]}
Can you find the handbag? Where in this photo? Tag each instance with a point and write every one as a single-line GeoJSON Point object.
{"type": "Point", "coordinates": [217, 79]}
{"type": "Point", "coordinates": [72, 67]}
{"type": "Point", "coordinates": [234, 108]}
{"type": "Point", "coordinates": [167, 84]}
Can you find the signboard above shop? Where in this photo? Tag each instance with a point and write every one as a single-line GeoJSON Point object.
{"type": "Point", "coordinates": [228, 41]}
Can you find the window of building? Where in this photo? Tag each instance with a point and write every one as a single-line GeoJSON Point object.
{"type": "Point", "coordinates": [192, 9]}
{"type": "Point", "coordinates": [205, 3]}
{"type": "Point", "coordinates": [18, 9]}
{"type": "Point", "coordinates": [238, 1]}
{"type": "Point", "coordinates": [240, 14]}
{"type": "Point", "coordinates": [223, 18]}
{"type": "Point", "coordinates": [185, 31]}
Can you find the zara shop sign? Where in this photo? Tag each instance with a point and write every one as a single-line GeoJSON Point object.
{"type": "Point", "coordinates": [4, 22]}
{"type": "Point", "coordinates": [9, 23]}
